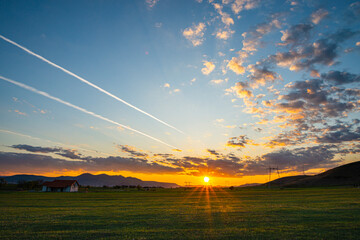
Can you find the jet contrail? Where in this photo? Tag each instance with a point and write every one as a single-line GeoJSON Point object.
{"type": "Point", "coordinates": [58, 143]}
{"type": "Point", "coordinates": [81, 109]}
{"type": "Point", "coordinates": [85, 81]}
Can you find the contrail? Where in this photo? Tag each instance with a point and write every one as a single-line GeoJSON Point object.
{"type": "Point", "coordinates": [81, 109]}
{"type": "Point", "coordinates": [87, 82]}
{"type": "Point", "coordinates": [57, 143]}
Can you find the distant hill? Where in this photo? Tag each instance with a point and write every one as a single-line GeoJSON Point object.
{"type": "Point", "coordinates": [345, 175]}
{"type": "Point", "coordinates": [249, 185]}
{"type": "Point", "coordinates": [94, 180]}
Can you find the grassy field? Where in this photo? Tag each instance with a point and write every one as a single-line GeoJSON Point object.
{"type": "Point", "coordinates": [326, 213]}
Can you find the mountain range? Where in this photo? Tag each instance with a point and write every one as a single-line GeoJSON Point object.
{"type": "Point", "coordinates": [88, 179]}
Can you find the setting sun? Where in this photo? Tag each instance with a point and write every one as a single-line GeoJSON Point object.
{"type": "Point", "coordinates": [206, 179]}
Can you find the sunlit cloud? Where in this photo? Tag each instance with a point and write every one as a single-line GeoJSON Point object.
{"type": "Point", "coordinates": [209, 67]}
{"type": "Point", "coordinates": [195, 34]}
{"type": "Point", "coordinates": [317, 16]}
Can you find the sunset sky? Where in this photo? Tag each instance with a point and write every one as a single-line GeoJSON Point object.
{"type": "Point", "coordinates": [175, 90]}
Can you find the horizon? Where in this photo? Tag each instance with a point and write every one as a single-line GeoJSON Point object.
{"type": "Point", "coordinates": [175, 91]}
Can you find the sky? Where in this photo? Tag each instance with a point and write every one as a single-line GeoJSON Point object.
{"type": "Point", "coordinates": [175, 90]}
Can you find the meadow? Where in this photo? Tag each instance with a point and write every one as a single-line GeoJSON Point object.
{"type": "Point", "coordinates": [202, 213]}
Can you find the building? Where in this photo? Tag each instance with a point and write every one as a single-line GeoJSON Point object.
{"type": "Point", "coordinates": [61, 186]}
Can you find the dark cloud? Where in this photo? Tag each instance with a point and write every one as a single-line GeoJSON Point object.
{"type": "Point", "coordinates": [68, 153]}
{"type": "Point", "coordinates": [343, 134]}
{"type": "Point", "coordinates": [213, 152]}
{"type": "Point", "coordinates": [322, 52]}
{"type": "Point", "coordinates": [36, 148]}
{"type": "Point", "coordinates": [132, 151]}
{"type": "Point", "coordinates": [339, 78]}
{"type": "Point", "coordinates": [239, 141]}
{"type": "Point", "coordinates": [296, 34]}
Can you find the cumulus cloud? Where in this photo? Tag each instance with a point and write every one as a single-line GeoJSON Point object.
{"type": "Point", "coordinates": [240, 5]}
{"type": "Point", "coordinates": [209, 67]}
{"type": "Point", "coordinates": [224, 34]}
{"type": "Point", "coordinates": [339, 78]}
{"type": "Point", "coordinates": [225, 17]}
{"type": "Point", "coordinates": [318, 15]}
{"type": "Point", "coordinates": [195, 34]}
{"type": "Point", "coordinates": [322, 52]}
{"type": "Point", "coordinates": [239, 141]}
{"type": "Point", "coordinates": [241, 89]}
{"type": "Point", "coordinates": [236, 63]}
{"type": "Point", "coordinates": [260, 74]}
{"type": "Point", "coordinates": [296, 34]}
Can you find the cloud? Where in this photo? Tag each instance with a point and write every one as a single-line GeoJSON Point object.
{"type": "Point", "coordinates": [87, 82]}
{"type": "Point", "coordinates": [252, 39]}
{"type": "Point", "coordinates": [81, 109]}
{"type": "Point", "coordinates": [317, 16]}
{"type": "Point", "coordinates": [195, 34]}
{"type": "Point", "coordinates": [240, 5]}
{"type": "Point", "coordinates": [213, 152]}
{"type": "Point", "coordinates": [68, 153]}
{"type": "Point", "coordinates": [209, 67]}
{"type": "Point", "coordinates": [241, 89]}
{"type": "Point", "coordinates": [224, 34]}
{"type": "Point", "coordinates": [225, 17]}
{"type": "Point", "coordinates": [239, 141]}
{"type": "Point", "coordinates": [260, 74]}
{"type": "Point", "coordinates": [322, 52]}
{"type": "Point", "coordinates": [218, 81]}
{"type": "Point", "coordinates": [132, 151]}
{"type": "Point", "coordinates": [236, 63]}
{"type": "Point", "coordinates": [166, 85]}
{"type": "Point", "coordinates": [296, 34]}
{"type": "Point", "coordinates": [339, 78]}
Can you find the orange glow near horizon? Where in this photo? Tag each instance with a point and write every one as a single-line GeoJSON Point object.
{"type": "Point", "coordinates": [171, 178]}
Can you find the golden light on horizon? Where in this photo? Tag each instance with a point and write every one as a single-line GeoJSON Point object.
{"type": "Point", "coordinates": [206, 179]}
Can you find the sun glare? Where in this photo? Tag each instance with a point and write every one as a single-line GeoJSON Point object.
{"type": "Point", "coordinates": [206, 179]}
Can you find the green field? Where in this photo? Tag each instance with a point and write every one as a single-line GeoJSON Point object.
{"type": "Point", "coordinates": [315, 213]}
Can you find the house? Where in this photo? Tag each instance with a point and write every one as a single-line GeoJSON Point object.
{"type": "Point", "coordinates": [61, 186]}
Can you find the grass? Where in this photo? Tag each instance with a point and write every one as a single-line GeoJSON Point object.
{"type": "Point", "coordinates": [253, 213]}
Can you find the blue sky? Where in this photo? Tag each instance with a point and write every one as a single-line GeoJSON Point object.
{"type": "Point", "coordinates": [250, 84]}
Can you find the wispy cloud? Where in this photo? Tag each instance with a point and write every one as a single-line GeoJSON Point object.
{"type": "Point", "coordinates": [81, 109]}
{"type": "Point", "coordinates": [87, 82]}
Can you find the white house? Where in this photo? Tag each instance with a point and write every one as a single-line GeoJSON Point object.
{"type": "Point", "coordinates": [61, 186]}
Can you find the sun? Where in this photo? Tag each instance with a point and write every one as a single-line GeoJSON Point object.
{"type": "Point", "coordinates": [206, 179]}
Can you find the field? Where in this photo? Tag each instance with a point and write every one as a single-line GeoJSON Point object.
{"type": "Point", "coordinates": [206, 213]}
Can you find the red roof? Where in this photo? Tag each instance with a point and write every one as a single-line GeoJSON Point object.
{"type": "Point", "coordinates": [60, 183]}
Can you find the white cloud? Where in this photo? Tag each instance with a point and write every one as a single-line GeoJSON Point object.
{"type": "Point", "coordinates": [224, 34]}
{"type": "Point", "coordinates": [166, 85]}
{"type": "Point", "coordinates": [240, 5]}
{"type": "Point", "coordinates": [195, 34]}
{"type": "Point", "coordinates": [209, 67]}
